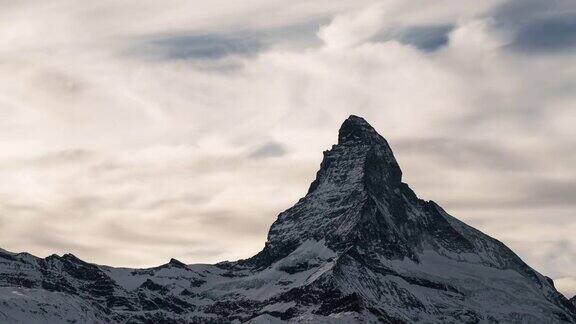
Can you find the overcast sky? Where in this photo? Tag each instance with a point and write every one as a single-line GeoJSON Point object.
{"type": "Point", "coordinates": [136, 131]}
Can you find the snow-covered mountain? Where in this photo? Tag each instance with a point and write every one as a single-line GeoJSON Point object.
{"type": "Point", "coordinates": [359, 247]}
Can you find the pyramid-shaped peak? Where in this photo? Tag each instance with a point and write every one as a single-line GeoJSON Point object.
{"type": "Point", "coordinates": [356, 120]}
{"type": "Point", "coordinates": [357, 129]}
{"type": "Point", "coordinates": [362, 159]}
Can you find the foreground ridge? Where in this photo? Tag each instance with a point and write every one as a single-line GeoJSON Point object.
{"type": "Point", "coordinates": [360, 247]}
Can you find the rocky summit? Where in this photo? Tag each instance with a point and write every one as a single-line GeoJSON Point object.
{"type": "Point", "coordinates": [360, 247]}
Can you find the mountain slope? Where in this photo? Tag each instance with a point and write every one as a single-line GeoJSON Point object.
{"type": "Point", "coordinates": [359, 247]}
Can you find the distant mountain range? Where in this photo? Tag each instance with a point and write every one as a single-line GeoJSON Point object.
{"type": "Point", "coordinates": [360, 247]}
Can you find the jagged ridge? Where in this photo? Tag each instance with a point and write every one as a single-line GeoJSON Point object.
{"type": "Point", "coordinates": [359, 247]}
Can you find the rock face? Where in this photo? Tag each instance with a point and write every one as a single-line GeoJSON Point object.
{"type": "Point", "coordinates": [360, 247]}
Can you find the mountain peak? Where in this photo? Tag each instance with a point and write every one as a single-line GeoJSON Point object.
{"type": "Point", "coordinates": [360, 173]}
{"type": "Point", "coordinates": [356, 129]}
{"type": "Point", "coordinates": [177, 263]}
{"type": "Point", "coordinates": [361, 158]}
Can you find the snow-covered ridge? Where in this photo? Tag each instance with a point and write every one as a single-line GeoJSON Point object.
{"type": "Point", "coordinates": [360, 247]}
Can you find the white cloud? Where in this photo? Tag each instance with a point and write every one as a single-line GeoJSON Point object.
{"type": "Point", "coordinates": [352, 29]}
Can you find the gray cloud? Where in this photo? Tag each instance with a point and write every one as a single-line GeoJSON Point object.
{"type": "Point", "coordinates": [267, 150]}
{"type": "Point", "coordinates": [64, 156]}
{"type": "Point", "coordinates": [457, 153]}
{"type": "Point", "coordinates": [200, 46]}
{"type": "Point", "coordinates": [233, 223]}
{"type": "Point", "coordinates": [424, 37]}
{"type": "Point", "coordinates": [428, 38]}
{"type": "Point", "coordinates": [560, 193]}
{"type": "Point", "coordinates": [50, 159]}
{"type": "Point", "coordinates": [124, 233]}
{"type": "Point", "coordinates": [547, 35]}
{"type": "Point", "coordinates": [219, 45]}
{"type": "Point", "coordinates": [186, 199]}
{"type": "Point", "coordinates": [529, 192]}
{"type": "Point", "coordinates": [539, 26]}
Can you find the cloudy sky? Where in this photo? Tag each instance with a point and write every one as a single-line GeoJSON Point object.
{"type": "Point", "coordinates": [135, 131]}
